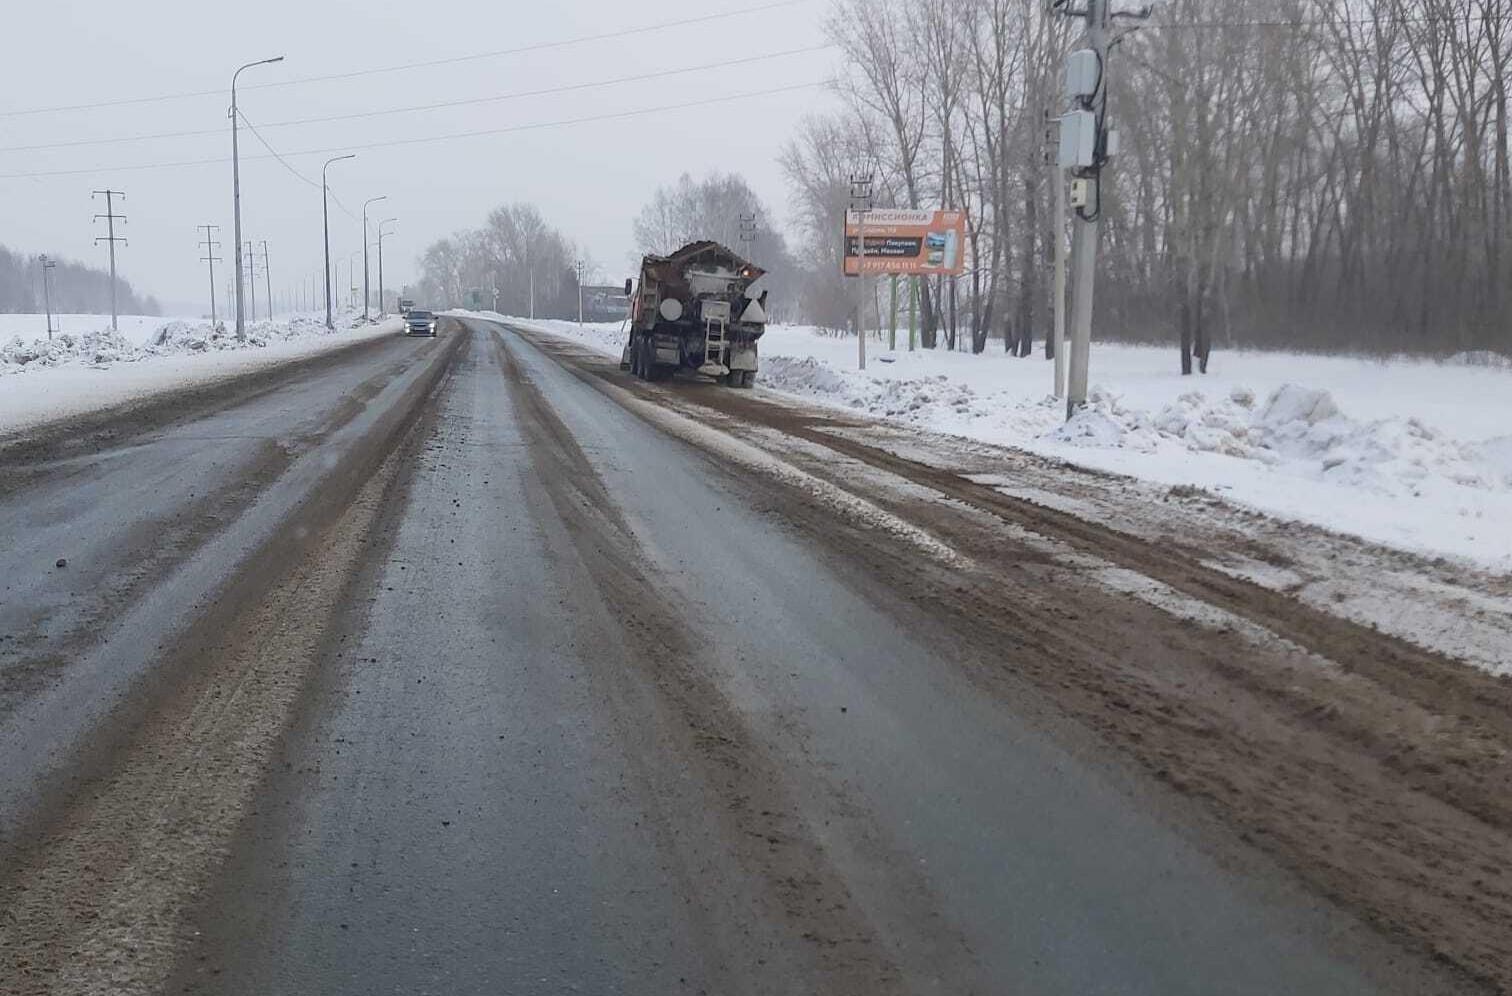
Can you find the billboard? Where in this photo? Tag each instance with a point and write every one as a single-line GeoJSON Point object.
{"type": "Point", "coordinates": [907, 242]}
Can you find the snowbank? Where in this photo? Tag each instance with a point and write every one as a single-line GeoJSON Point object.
{"type": "Point", "coordinates": [87, 371]}
{"type": "Point", "coordinates": [136, 328]}
{"type": "Point", "coordinates": [1409, 453]}
{"type": "Point", "coordinates": [102, 347]}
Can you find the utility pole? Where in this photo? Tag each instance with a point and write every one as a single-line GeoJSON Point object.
{"type": "Point", "coordinates": [252, 279]}
{"type": "Point", "coordinates": [352, 277]}
{"type": "Point", "coordinates": [241, 324]}
{"type": "Point", "coordinates": [111, 239]}
{"type": "Point", "coordinates": [210, 245]}
{"type": "Point", "coordinates": [580, 290]}
{"type": "Point", "coordinates": [325, 221]}
{"type": "Point", "coordinates": [1086, 146]}
{"type": "Point", "coordinates": [861, 203]}
{"type": "Point", "coordinates": [1057, 341]}
{"type": "Point", "coordinates": [381, 298]}
{"type": "Point", "coordinates": [1059, 282]}
{"type": "Point", "coordinates": [47, 268]}
{"type": "Point", "coordinates": [530, 268]}
{"type": "Point", "coordinates": [365, 294]}
{"type": "Point", "coordinates": [267, 279]}
{"type": "Point", "coordinates": [748, 236]}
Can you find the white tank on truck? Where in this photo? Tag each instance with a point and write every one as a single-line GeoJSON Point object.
{"type": "Point", "coordinates": [696, 310]}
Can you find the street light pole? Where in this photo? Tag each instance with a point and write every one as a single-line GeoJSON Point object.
{"type": "Point", "coordinates": [241, 322]}
{"type": "Point", "coordinates": [381, 298]}
{"type": "Point", "coordinates": [365, 295]}
{"type": "Point", "coordinates": [325, 221]}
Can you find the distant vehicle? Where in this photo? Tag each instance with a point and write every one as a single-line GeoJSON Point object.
{"type": "Point", "coordinates": [417, 322]}
{"type": "Point", "coordinates": [406, 306]}
{"type": "Point", "coordinates": [695, 310]}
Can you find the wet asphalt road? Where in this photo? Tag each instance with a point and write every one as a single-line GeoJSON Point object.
{"type": "Point", "coordinates": [485, 811]}
{"type": "Point", "coordinates": [131, 523]}
{"type": "Point", "coordinates": [594, 719]}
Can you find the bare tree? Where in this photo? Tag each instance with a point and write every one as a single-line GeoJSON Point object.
{"type": "Point", "coordinates": [1323, 174]}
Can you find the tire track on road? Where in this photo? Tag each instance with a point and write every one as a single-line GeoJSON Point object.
{"type": "Point", "coordinates": [762, 830]}
{"type": "Point", "coordinates": [1384, 784]}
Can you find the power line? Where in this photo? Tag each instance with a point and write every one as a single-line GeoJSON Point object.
{"type": "Point", "coordinates": [438, 105]}
{"type": "Point", "coordinates": [404, 67]}
{"type": "Point", "coordinates": [286, 165]}
{"type": "Point", "coordinates": [393, 143]}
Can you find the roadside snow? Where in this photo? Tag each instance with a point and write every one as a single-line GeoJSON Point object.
{"type": "Point", "coordinates": [1409, 453]}
{"type": "Point", "coordinates": [102, 347]}
{"type": "Point", "coordinates": [137, 328]}
{"type": "Point", "coordinates": [75, 373]}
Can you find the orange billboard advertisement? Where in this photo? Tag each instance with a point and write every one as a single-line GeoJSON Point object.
{"type": "Point", "coordinates": [901, 241]}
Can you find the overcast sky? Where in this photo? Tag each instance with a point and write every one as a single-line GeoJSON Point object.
{"type": "Point", "coordinates": [587, 179]}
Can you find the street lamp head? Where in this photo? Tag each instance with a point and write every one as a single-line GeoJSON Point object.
{"type": "Point", "coordinates": [335, 159]}
{"type": "Point", "coordinates": [259, 62]}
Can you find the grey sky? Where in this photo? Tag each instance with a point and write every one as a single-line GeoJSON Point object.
{"type": "Point", "coordinates": [587, 179]}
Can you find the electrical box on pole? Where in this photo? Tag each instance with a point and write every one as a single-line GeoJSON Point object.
{"type": "Point", "coordinates": [1078, 140]}
{"type": "Point", "coordinates": [1083, 74]}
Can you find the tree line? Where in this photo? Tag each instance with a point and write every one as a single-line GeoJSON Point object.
{"type": "Point", "coordinates": [1318, 174]}
{"type": "Point", "coordinates": [514, 252]}
{"type": "Point", "coordinates": [75, 289]}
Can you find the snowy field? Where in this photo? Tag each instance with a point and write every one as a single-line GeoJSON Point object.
{"type": "Point", "coordinates": [92, 368]}
{"type": "Point", "coordinates": [1410, 453]}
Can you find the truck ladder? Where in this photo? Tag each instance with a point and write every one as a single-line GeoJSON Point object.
{"type": "Point", "coordinates": [716, 344]}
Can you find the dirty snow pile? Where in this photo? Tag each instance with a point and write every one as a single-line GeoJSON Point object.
{"type": "Point", "coordinates": [103, 347]}
{"type": "Point", "coordinates": [1408, 452]}
{"type": "Point", "coordinates": [88, 369]}
{"type": "Point", "coordinates": [1301, 428]}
